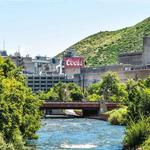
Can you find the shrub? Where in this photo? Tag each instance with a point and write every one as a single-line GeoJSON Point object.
{"type": "Point", "coordinates": [146, 144]}
{"type": "Point", "coordinates": [4, 145]}
{"type": "Point", "coordinates": [118, 116]}
{"type": "Point", "coordinates": [137, 133]}
{"type": "Point", "coordinates": [76, 95]}
{"type": "Point", "coordinates": [138, 100]}
{"type": "Point", "coordinates": [93, 98]}
{"type": "Point", "coordinates": [52, 95]}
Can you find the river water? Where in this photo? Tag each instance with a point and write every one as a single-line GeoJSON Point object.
{"type": "Point", "coordinates": [70, 134]}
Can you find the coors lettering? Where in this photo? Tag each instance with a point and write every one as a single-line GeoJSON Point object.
{"type": "Point", "coordinates": [74, 62]}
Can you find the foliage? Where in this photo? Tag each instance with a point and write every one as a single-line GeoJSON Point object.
{"type": "Point", "coordinates": [138, 100]}
{"type": "Point", "coordinates": [147, 82]}
{"type": "Point", "coordinates": [42, 95]}
{"type": "Point", "coordinates": [73, 86]}
{"type": "Point", "coordinates": [111, 88]}
{"type": "Point", "coordinates": [104, 47]}
{"type": "Point", "coordinates": [9, 69]}
{"type": "Point", "coordinates": [4, 145]}
{"type": "Point", "coordinates": [52, 95]}
{"type": "Point", "coordinates": [63, 92]}
{"type": "Point", "coordinates": [61, 89]}
{"type": "Point", "coordinates": [94, 88]}
{"type": "Point", "coordinates": [76, 95]}
{"type": "Point", "coordinates": [75, 92]}
{"type": "Point", "coordinates": [93, 98]}
{"type": "Point", "coordinates": [137, 133]}
{"type": "Point", "coordinates": [19, 108]}
{"type": "Point", "coordinates": [118, 116]}
{"type": "Point", "coordinates": [138, 103]}
{"type": "Point", "coordinates": [146, 144]}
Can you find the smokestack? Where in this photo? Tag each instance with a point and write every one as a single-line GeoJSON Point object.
{"type": "Point", "coordinates": [146, 48]}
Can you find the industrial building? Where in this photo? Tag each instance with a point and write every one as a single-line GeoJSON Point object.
{"type": "Point", "coordinates": [131, 65]}
{"type": "Point", "coordinates": [44, 82]}
{"type": "Point", "coordinates": [43, 72]}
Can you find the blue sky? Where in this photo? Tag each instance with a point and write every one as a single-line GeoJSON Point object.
{"type": "Point", "coordinates": [47, 27]}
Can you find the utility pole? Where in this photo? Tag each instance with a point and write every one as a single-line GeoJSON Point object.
{"type": "Point", "coordinates": [83, 83]}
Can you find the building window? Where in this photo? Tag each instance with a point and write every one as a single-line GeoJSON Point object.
{"type": "Point", "coordinates": [30, 85]}
{"type": "Point", "coordinates": [43, 85]}
{"type": "Point", "coordinates": [56, 77]}
{"type": "Point", "coordinates": [36, 85]}
{"type": "Point", "coordinates": [49, 86]}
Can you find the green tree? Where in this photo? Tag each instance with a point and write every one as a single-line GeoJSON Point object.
{"type": "Point", "coordinates": [147, 82]}
{"type": "Point", "coordinates": [76, 95]}
{"type": "Point", "coordinates": [138, 100]}
{"type": "Point", "coordinates": [19, 107]}
{"type": "Point", "coordinates": [52, 95]}
{"type": "Point", "coordinates": [94, 88]}
{"type": "Point", "coordinates": [93, 98]}
{"type": "Point", "coordinates": [73, 86]}
{"type": "Point", "coordinates": [4, 145]}
{"type": "Point", "coordinates": [111, 88]}
{"type": "Point", "coordinates": [61, 89]}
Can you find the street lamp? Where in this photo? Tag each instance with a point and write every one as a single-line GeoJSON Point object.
{"type": "Point", "coordinates": [65, 94]}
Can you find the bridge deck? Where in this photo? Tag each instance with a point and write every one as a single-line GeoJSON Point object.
{"type": "Point", "coordinates": [76, 105]}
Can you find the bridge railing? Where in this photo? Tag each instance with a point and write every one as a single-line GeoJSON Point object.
{"type": "Point", "coordinates": [79, 102]}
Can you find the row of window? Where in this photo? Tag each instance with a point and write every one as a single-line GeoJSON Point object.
{"type": "Point", "coordinates": [46, 82]}
{"type": "Point", "coordinates": [40, 86]}
{"type": "Point", "coordinates": [43, 87]}
{"type": "Point", "coordinates": [46, 77]}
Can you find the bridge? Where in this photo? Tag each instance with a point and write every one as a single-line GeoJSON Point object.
{"type": "Point", "coordinates": [88, 108]}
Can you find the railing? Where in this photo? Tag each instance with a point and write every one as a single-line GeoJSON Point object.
{"type": "Point", "coordinates": [78, 105]}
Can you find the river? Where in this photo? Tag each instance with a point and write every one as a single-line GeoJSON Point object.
{"type": "Point", "coordinates": [79, 133]}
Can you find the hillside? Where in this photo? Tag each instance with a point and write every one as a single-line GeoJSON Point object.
{"type": "Point", "coordinates": [104, 47]}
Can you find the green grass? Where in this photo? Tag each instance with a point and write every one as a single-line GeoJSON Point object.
{"type": "Point", "coordinates": [118, 116]}
{"type": "Point", "coordinates": [137, 134]}
{"type": "Point", "coordinates": [104, 47]}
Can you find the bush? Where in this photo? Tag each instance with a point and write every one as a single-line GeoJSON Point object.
{"type": "Point", "coordinates": [137, 133]}
{"type": "Point", "coordinates": [138, 100]}
{"type": "Point", "coordinates": [52, 96]}
{"type": "Point", "coordinates": [146, 144]}
{"type": "Point", "coordinates": [76, 95]}
{"type": "Point", "coordinates": [4, 145]}
{"type": "Point", "coordinates": [118, 116]}
{"type": "Point", "coordinates": [93, 98]}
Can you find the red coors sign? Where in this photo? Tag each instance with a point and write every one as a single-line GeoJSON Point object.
{"type": "Point", "coordinates": [74, 62]}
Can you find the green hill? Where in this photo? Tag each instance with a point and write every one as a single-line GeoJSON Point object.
{"type": "Point", "coordinates": [104, 47]}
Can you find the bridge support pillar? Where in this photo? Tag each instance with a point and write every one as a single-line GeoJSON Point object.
{"type": "Point", "coordinates": [103, 107]}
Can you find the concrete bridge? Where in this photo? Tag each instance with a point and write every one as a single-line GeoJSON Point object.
{"type": "Point", "coordinates": [88, 108]}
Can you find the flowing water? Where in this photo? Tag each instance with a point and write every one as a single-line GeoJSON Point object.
{"type": "Point", "coordinates": [70, 134]}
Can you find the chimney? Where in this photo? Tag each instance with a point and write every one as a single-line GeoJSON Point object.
{"type": "Point", "coordinates": [146, 48]}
